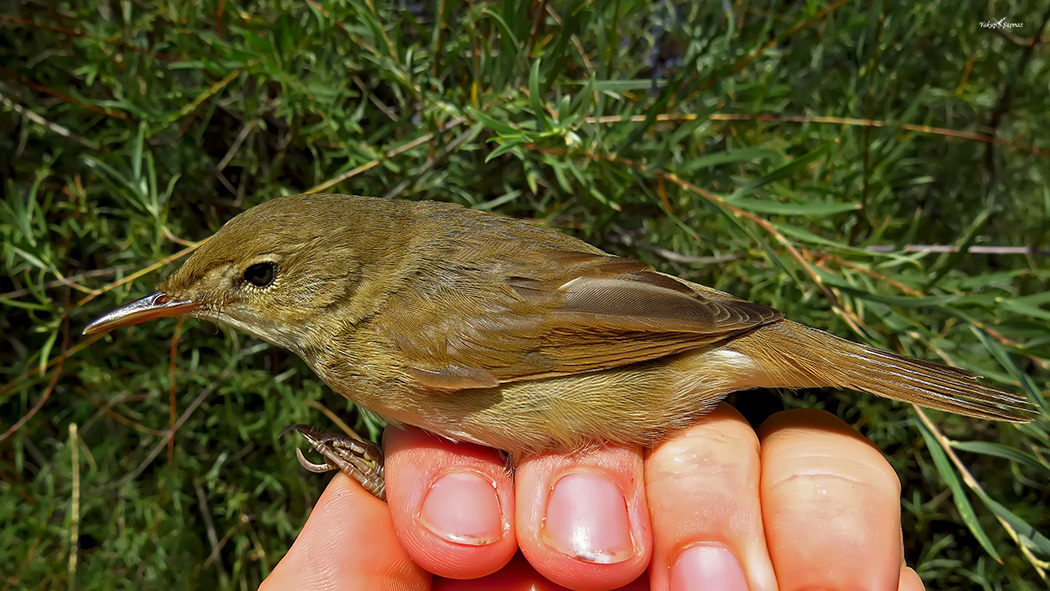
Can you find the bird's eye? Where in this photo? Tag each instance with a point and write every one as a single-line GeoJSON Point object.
{"type": "Point", "coordinates": [260, 274]}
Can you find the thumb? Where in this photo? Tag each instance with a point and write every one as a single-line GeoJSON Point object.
{"type": "Point", "coordinates": [348, 542]}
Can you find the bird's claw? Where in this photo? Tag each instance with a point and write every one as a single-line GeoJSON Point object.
{"type": "Point", "coordinates": [358, 459]}
{"type": "Point", "coordinates": [311, 466]}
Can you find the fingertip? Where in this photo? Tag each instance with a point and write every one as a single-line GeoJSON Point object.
{"type": "Point", "coordinates": [910, 580]}
{"type": "Point", "coordinates": [452, 503]}
{"type": "Point", "coordinates": [702, 484]}
{"type": "Point", "coordinates": [830, 504]}
{"type": "Point", "coordinates": [793, 440]}
{"type": "Point", "coordinates": [582, 518]}
{"type": "Point", "coordinates": [809, 419]}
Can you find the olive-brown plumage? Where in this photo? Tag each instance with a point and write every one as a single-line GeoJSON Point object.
{"type": "Point", "coordinates": [506, 333]}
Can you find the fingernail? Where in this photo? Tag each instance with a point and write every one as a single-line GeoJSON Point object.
{"type": "Point", "coordinates": [587, 519]}
{"type": "Point", "coordinates": [707, 567]}
{"type": "Point", "coordinates": [462, 507]}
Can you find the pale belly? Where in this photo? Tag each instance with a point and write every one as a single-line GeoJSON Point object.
{"type": "Point", "coordinates": [633, 405]}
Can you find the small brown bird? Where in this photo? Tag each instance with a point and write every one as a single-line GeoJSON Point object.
{"type": "Point", "coordinates": [506, 333]}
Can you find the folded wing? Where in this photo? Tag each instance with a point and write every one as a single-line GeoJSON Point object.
{"type": "Point", "coordinates": [553, 313]}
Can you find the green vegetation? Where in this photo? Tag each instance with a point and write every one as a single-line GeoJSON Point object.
{"type": "Point", "coordinates": [759, 149]}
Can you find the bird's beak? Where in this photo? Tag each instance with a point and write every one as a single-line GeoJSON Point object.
{"type": "Point", "coordinates": [155, 305]}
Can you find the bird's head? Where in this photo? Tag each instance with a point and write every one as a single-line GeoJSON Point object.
{"type": "Point", "coordinates": [277, 271]}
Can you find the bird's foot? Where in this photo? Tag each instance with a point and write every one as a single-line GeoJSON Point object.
{"type": "Point", "coordinates": [360, 460]}
{"type": "Point", "coordinates": [508, 460]}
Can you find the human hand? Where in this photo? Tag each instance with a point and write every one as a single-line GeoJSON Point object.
{"type": "Point", "coordinates": [813, 506]}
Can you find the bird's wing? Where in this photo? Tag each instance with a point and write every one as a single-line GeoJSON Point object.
{"type": "Point", "coordinates": [567, 312]}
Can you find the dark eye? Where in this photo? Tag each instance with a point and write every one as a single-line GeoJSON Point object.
{"type": "Point", "coordinates": [260, 274]}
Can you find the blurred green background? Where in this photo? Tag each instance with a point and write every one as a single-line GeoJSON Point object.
{"type": "Point", "coordinates": [799, 154]}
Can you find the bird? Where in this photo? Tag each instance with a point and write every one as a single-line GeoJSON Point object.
{"type": "Point", "coordinates": [506, 333]}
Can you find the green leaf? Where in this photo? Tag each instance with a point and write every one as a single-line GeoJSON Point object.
{"type": "Point", "coordinates": [1023, 308]}
{"type": "Point", "coordinates": [778, 208]}
{"type": "Point", "coordinates": [1005, 452]}
{"type": "Point", "coordinates": [1030, 535]}
{"type": "Point", "coordinates": [730, 157]}
{"type": "Point", "coordinates": [962, 503]}
{"type": "Point", "coordinates": [45, 350]}
{"type": "Point", "coordinates": [493, 123]}
{"type": "Point", "coordinates": [505, 146]}
{"type": "Point", "coordinates": [791, 168]}
{"type": "Point", "coordinates": [1003, 357]}
{"type": "Point", "coordinates": [536, 98]}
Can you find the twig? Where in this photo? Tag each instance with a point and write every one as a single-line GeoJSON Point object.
{"type": "Point", "coordinates": [575, 42]}
{"type": "Point", "coordinates": [374, 99]}
{"type": "Point", "coordinates": [53, 127]}
{"type": "Point", "coordinates": [81, 33]}
{"type": "Point", "coordinates": [170, 433]}
{"type": "Point", "coordinates": [70, 281]}
{"type": "Point", "coordinates": [721, 202]}
{"type": "Point", "coordinates": [207, 94]}
{"type": "Point", "coordinates": [395, 152]}
{"type": "Point", "coordinates": [674, 257]}
{"type": "Point", "coordinates": [241, 136]}
{"type": "Point", "coordinates": [74, 509]}
{"type": "Point", "coordinates": [878, 276]}
{"type": "Point", "coordinates": [844, 121]}
{"type": "Point", "coordinates": [39, 403]}
{"type": "Point", "coordinates": [431, 162]}
{"type": "Point", "coordinates": [973, 485]}
{"type": "Point", "coordinates": [334, 418]}
{"type": "Point", "coordinates": [941, 248]}
{"type": "Point", "coordinates": [59, 359]}
{"type": "Point", "coordinates": [172, 407]}
{"type": "Point", "coordinates": [209, 528]}
{"type": "Point", "coordinates": [214, 555]}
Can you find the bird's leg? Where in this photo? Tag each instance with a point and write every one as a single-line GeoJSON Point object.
{"type": "Point", "coordinates": [509, 461]}
{"type": "Point", "coordinates": [361, 460]}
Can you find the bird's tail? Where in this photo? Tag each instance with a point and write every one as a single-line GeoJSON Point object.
{"type": "Point", "coordinates": [792, 355]}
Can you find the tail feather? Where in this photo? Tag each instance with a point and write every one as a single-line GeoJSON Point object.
{"type": "Point", "coordinates": [796, 356]}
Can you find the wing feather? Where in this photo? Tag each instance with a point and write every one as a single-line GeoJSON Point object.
{"type": "Point", "coordinates": [553, 313]}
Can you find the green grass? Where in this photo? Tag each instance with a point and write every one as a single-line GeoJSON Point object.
{"type": "Point", "coordinates": [783, 141]}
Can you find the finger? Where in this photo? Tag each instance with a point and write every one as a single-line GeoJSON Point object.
{"type": "Point", "coordinates": [518, 576]}
{"type": "Point", "coordinates": [582, 519]}
{"type": "Point", "coordinates": [452, 504]}
{"type": "Point", "coordinates": [702, 485]}
{"type": "Point", "coordinates": [347, 543]}
{"type": "Point", "coordinates": [910, 581]}
{"type": "Point", "coordinates": [830, 503]}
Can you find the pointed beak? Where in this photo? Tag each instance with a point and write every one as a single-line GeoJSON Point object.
{"type": "Point", "coordinates": [155, 305]}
